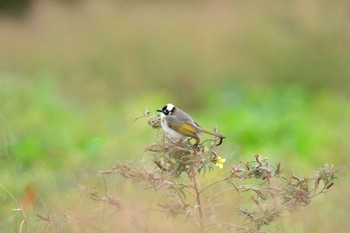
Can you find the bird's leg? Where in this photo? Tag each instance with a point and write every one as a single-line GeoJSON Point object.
{"type": "Point", "coordinates": [220, 142]}
{"type": "Point", "coordinates": [195, 146]}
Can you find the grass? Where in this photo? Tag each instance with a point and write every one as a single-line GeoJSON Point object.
{"type": "Point", "coordinates": [272, 77]}
{"type": "Point", "coordinates": [59, 149]}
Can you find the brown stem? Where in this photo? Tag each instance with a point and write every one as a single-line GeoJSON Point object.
{"type": "Point", "coordinates": [227, 224]}
{"type": "Point", "coordinates": [198, 193]}
{"type": "Point", "coordinates": [219, 193]}
{"type": "Point", "coordinates": [215, 182]}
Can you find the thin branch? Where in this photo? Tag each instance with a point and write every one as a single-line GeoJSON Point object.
{"type": "Point", "coordinates": [215, 182]}
{"type": "Point", "coordinates": [226, 224]}
{"type": "Point", "coordinates": [275, 212]}
{"type": "Point", "coordinates": [198, 199]}
{"type": "Point", "coordinates": [192, 194]}
{"type": "Point", "coordinates": [180, 196]}
{"type": "Point", "coordinates": [221, 192]}
{"type": "Point", "coordinates": [234, 185]}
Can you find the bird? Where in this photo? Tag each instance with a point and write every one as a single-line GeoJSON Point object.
{"type": "Point", "coordinates": [179, 125]}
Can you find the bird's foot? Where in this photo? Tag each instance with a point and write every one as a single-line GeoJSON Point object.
{"type": "Point", "coordinates": [196, 146]}
{"type": "Point", "coordinates": [220, 141]}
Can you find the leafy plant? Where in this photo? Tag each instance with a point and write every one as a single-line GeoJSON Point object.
{"type": "Point", "coordinates": [177, 168]}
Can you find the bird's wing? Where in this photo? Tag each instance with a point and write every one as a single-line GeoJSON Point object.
{"type": "Point", "coordinates": [185, 117]}
{"type": "Point", "coordinates": [183, 127]}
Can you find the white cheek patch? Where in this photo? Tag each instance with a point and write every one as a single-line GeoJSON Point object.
{"type": "Point", "coordinates": [170, 107]}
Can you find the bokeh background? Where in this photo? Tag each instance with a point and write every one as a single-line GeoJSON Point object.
{"type": "Point", "coordinates": [273, 76]}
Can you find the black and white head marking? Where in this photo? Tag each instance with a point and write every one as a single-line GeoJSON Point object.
{"type": "Point", "coordinates": [168, 109]}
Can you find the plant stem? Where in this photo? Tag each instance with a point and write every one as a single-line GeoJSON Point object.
{"type": "Point", "coordinates": [20, 208]}
{"type": "Point", "coordinates": [198, 193]}
{"type": "Point", "coordinates": [228, 224]}
{"type": "Point", "coordinates": [219, 193]}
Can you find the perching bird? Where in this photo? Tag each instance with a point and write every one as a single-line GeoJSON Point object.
{"type": "Point", "coordinates": [179, 125]}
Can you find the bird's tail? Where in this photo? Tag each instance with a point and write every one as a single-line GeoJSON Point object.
{"type": "Point", "coordinates": [212, 133]}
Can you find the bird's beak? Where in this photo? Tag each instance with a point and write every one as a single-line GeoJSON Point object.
{"type": "Point", "coordinates": [159, 110]}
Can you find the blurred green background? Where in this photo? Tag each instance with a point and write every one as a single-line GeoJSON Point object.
{"type": "Point", "coordinates": [273, 76]}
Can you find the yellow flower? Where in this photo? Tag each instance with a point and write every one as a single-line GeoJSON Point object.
{"type": "Point", "coordinates": [220, 162]}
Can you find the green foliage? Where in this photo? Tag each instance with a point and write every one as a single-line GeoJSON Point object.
{"type": "Point", "coordinates": [272, 76]}
{"type": "Point", "coordinates": [41, 127]}
{"type": "Point", "coordinates": [176, 173]}
{"type": "Point", "coordinates": [288, 117]}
